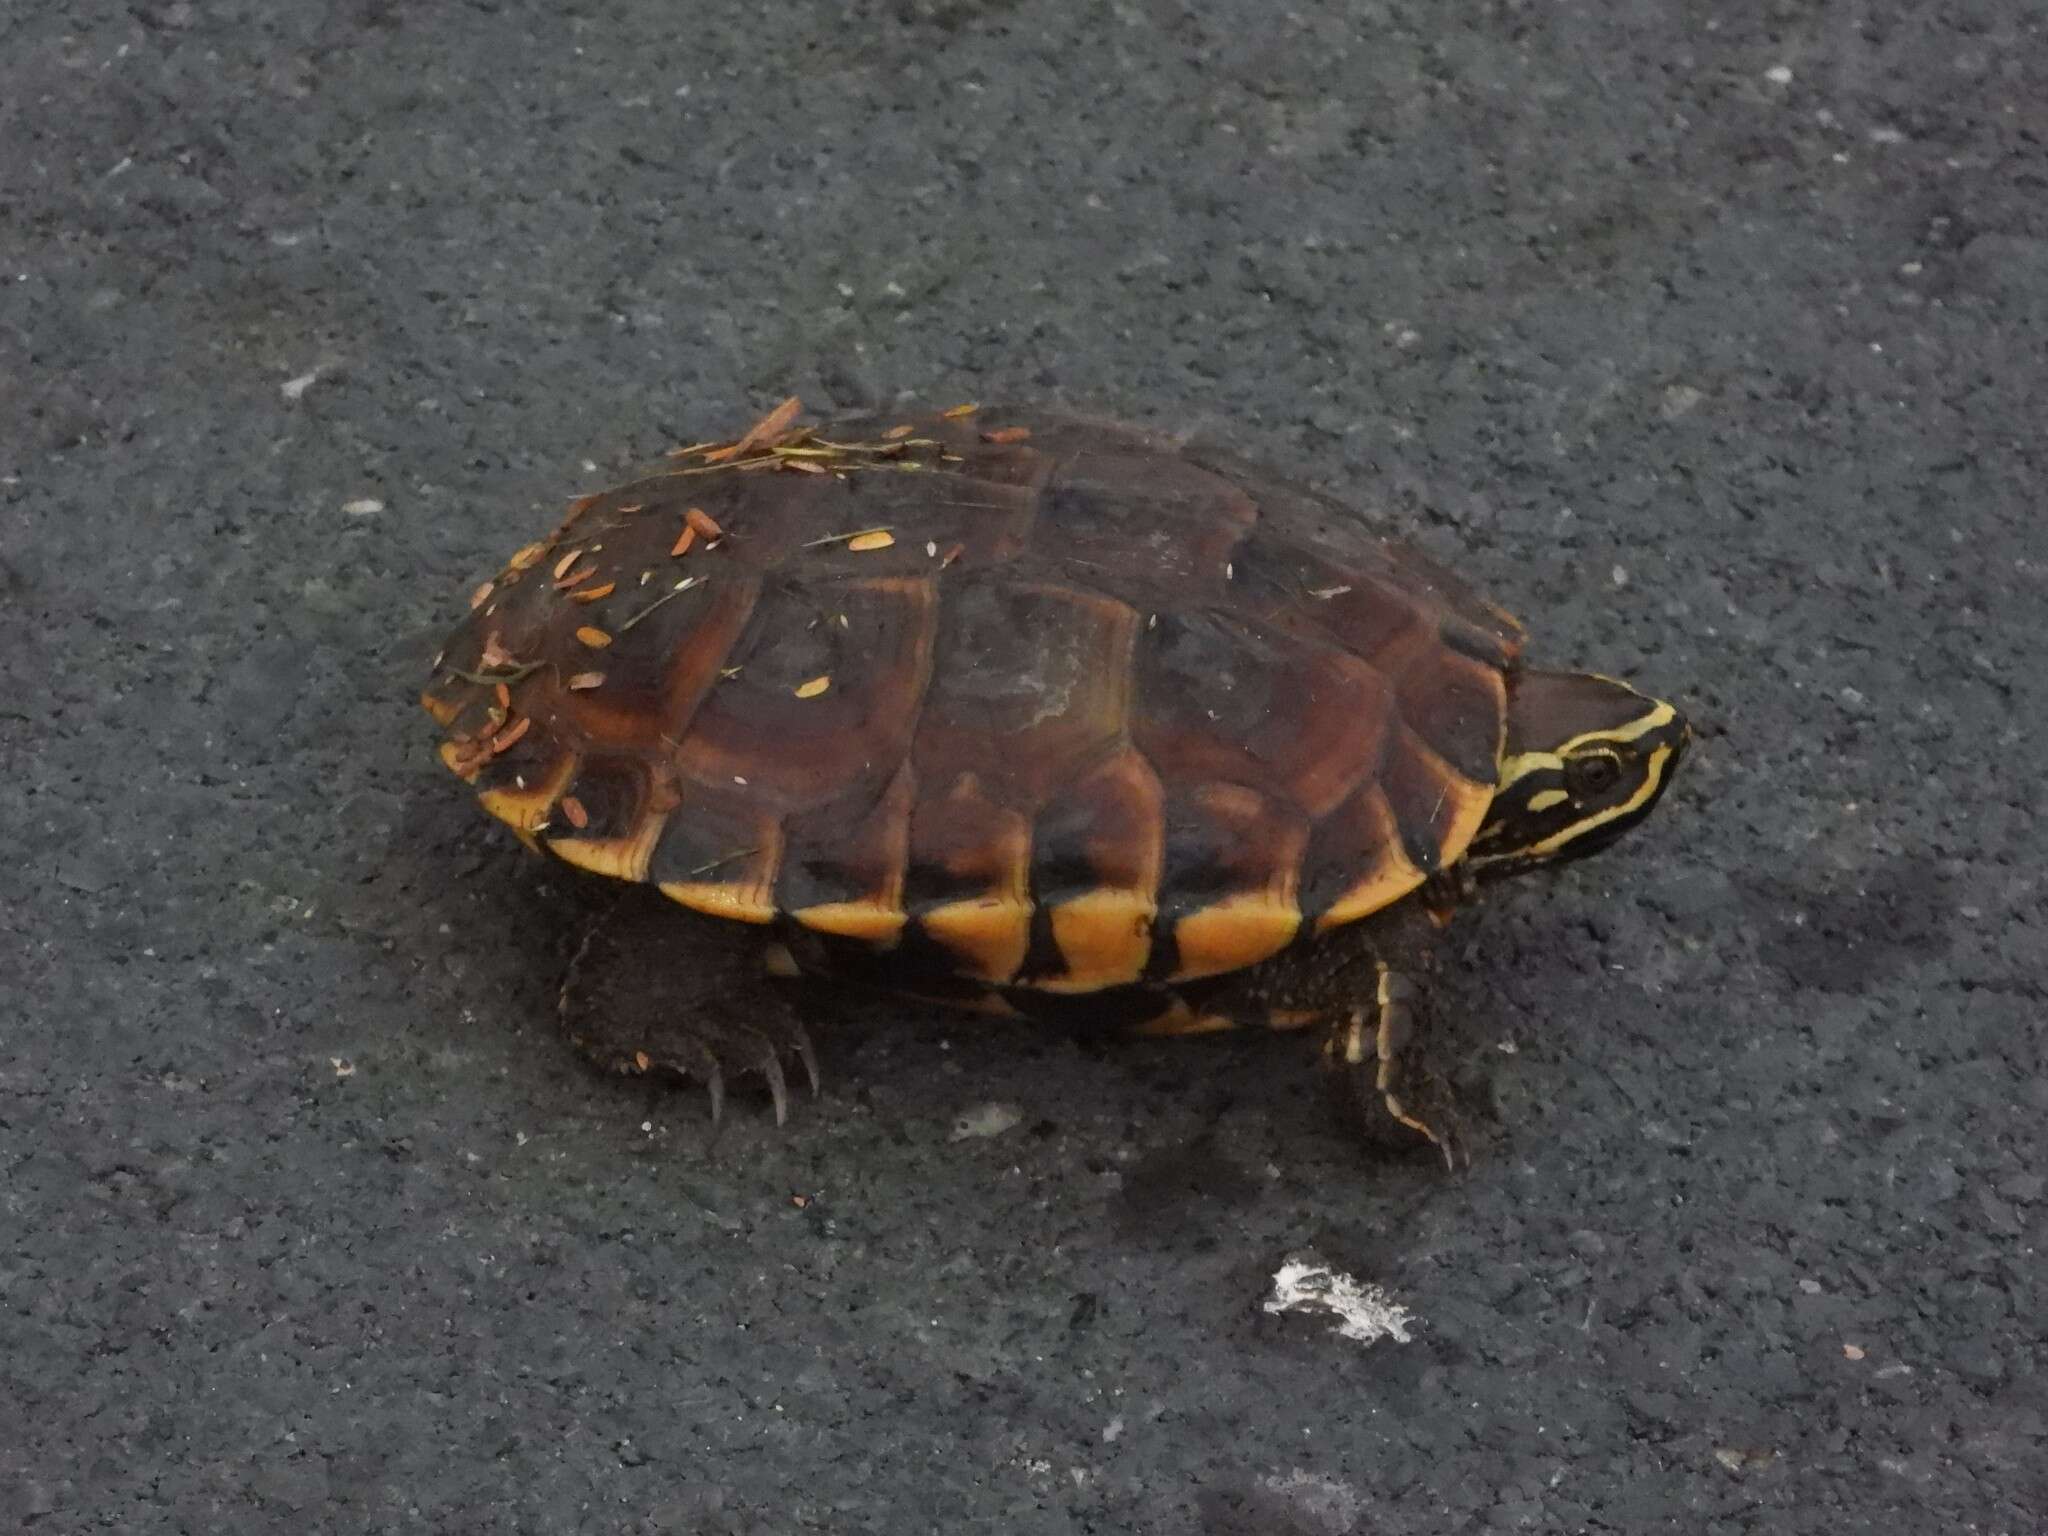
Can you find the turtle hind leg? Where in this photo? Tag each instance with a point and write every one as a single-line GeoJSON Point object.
{"type": "Point", "coordinates": [654, 989]}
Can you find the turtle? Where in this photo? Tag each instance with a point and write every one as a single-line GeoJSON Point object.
{"type": "Point", "coordinates": [1057, 718]}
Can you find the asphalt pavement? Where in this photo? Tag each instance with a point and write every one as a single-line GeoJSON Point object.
{"type": "Point", "coordinates": [1712, 339]}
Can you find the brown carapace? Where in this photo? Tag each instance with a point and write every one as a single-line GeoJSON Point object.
{"type": "Point", "coordinates": [999, 706]}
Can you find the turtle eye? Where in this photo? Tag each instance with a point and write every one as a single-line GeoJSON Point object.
{"type": "Point", "coordinates": [1593, 774]}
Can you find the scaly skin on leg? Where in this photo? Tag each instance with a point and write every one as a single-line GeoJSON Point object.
{"type": "Point", "coordinates": [1357, 989]}
{"type": "Point", "coordinates": [657, 989]}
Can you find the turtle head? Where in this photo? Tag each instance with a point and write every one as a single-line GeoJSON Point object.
{"type": "Point", "coordinates": [1585, 759]}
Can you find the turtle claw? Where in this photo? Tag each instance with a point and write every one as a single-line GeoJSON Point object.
{"type": "Point", "coordinates": [770, 1067]}
{"type": "Point", "coordinates": [714, 1081]}
{"type": "Point", "coordinates": [709, 1016]}
{"type": "Point", "coordinates": [807, 1056]}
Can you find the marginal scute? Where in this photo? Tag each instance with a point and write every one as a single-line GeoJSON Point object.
{"type": "Point", "coordinates": [622, 858]}
{"type": "Point", "coordinates": [1360, 854]}
{"type": "Point", "coordinates": [872, 921]}
{"type": "Point", "coordinates": [459, 760]}
{"type": "Point", "coordinates": [1436, 809]}
{"type": "Point", "coordinates": [1235, 932]}
{"type": "Point", "coordinates": [1104, 936]}
{"type": "Point", "coordinates": [1457, 706]}
{"type": "Point", "coordinates": [735, 881]}
{"type": "Point", "coordinates": [1231, 891]}
{"type": "Point", "coordinates": [530, 808]}
{"type": "Point", "coordinates": [843, 863]}
{"type": "Point", "coordinates": [987, 935]}
{"type": "Point", "coordinates": [965, 843]}
{"type": "Point", "coordinates": [1097, 856]}
{"type": "Point", "coordinates": [740, 903]}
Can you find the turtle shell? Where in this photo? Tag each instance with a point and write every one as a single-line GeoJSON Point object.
{"type": "Point", "coordinates": [1001, 696]}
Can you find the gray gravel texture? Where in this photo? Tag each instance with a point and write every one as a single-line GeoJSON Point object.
{"type": "Point", "coordinates": [1717, 336]}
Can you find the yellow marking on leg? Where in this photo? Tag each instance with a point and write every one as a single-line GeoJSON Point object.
{"type": "Point", "coordinates": [1394, 1032]}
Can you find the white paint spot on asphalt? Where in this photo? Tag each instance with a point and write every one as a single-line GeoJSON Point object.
{"type": "Point", "coordinates": [291, 389]}
{"type": "Point", "coordinates": [1779, 74]}
{"type": "Point", "coordinates": [1304, 1283]}
{"type": "Point", "coordinates": [1679, 400]}
{"type": "Point", "coordinates": [363, 506]}
{"type": "Point", "coordinates": [985, 1120]}
{"type": "Point", "coordinates": [1335, 1507]}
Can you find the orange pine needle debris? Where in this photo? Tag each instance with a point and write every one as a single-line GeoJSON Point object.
{"type": "Point", "coordinates": [593, 637]}
{"type": "Point", "coordinates": [481, 595]}
{"type": "Point", "coordinates": [814, 687]}
{"type": "Point", "coordinates": [960, 410]}
{"type": "Point", "coordinates": [705, 525]}
{"type": "Point", "coordinates": [767, 429]}
{"type": "Point", "coordinates": [572, 808]}
{"type": "Point", "coordinates": [585, 680]}
{"type": "Point", "coordinates": [505, 739]}
{"type": "Point", "coordinates": [897, 434]}
{"type": "Point", "coordinates": [504, 697]}
{"type": "Point", "coordinates": [562, 584]}
{"type": "Point", "coordinates": [592, 594]}
{"type": "Point", "coordinates": [527, 556]}
{"type": "Point", "coordinates": [682, 545]}
{"type": "Point", "coordinates": [881, 538]}
{"type": "Point", "coordinates": [1006, 435]}
{"type": "Point", "coordinates": [562, 565]}
{"type": "Point", "coordinates": [495, 654]}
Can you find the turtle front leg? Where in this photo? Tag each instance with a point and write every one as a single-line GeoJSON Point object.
{"type": "Point", "coordinates": [1356, 989]}
{"type": "Point", "coordinates": [655, 989]}
{"type": "Point", "coordinates": [1371, 1048]}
